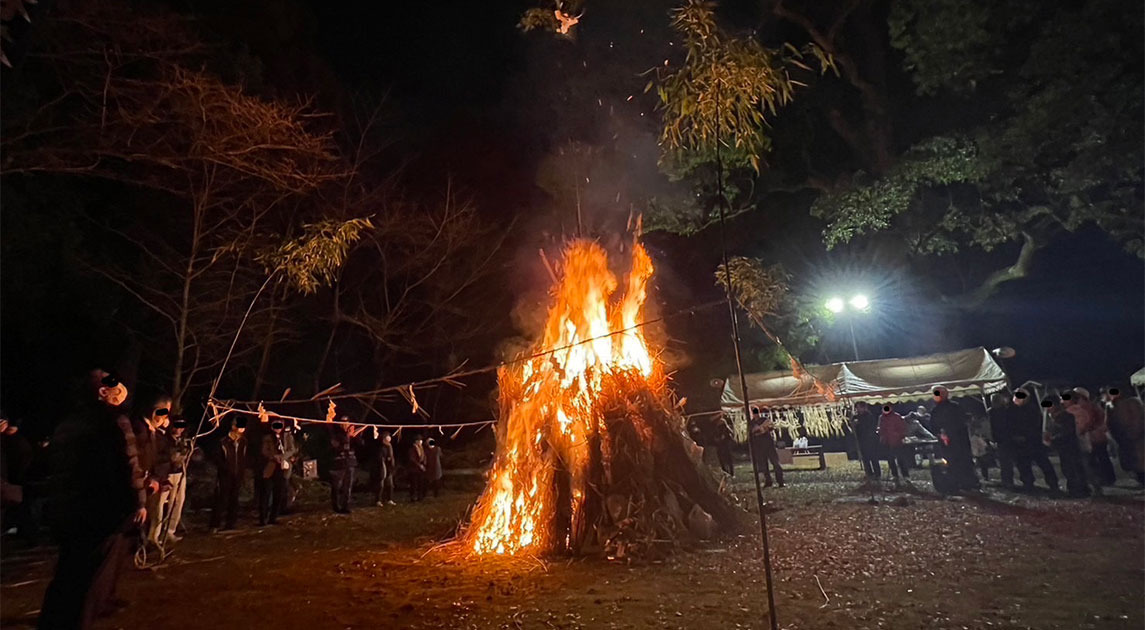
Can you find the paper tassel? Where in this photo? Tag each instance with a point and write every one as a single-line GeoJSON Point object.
{"type": "Point", "coordinates": [375, 433]}
{"type": "Point", "coordinates": [331, 411]}
{"type": "Point", "coordinates": [413, 400]}
{"type": "Point", "coordinates": [263, 416]}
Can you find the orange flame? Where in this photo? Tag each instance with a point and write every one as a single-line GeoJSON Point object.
{"type": "Point", "coordinates": [548, 403]}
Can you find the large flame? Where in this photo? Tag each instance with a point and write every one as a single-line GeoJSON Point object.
{"type": "Point", "coordinates": [548, 403]}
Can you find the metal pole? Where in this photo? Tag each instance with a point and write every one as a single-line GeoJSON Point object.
{"type": "Point", "coordinates": [759, 502]}
{"type": "Point", "coordinates": [854, 344]}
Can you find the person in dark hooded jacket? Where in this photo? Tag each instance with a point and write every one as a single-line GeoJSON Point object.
{"type": "Point", "coordinates": [97, 504]}
{"type": "Point", "coordinates": [953, 426]}
{"type": "Point", "coordinates": [1027, 437]}
{"type": "Point", "coordinates": [866, 425]}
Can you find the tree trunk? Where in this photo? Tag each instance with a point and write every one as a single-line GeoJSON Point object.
{"type": "Point", "coordinates": [179, 386]}
{"type": "Point", "coordinates": [267, 345]}
{"type": "Point", "coordinates": [872, 139]}
{"type": "Point", "coordinates": [1020, 269]}
{"type": "Point", "coordinates": [334, 320]}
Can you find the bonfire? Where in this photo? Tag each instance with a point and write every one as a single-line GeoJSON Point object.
{"type": "Point", "coordinates": [592, 455]}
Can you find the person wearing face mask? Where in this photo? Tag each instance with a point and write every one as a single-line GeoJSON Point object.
{"type": "Point", "coordinates": [98, 503]}
{"type": "Point", "coordinates": [155, 459]}
{"type": "Point", "coordinates": [179, 448]}
{"type": "Point", "coordinates": [272, 481]}
{"type": "Point", "coordinates": [344, 440]}
{"type": "Point", "coordinates": [892, 432]}
{"type": "Point", "coordinates": [230, 461]}
{"type": "Point", "coordinates": [1002, 431]}
{"type": "Point", "coordinates": [953, 427]}
{"type": "Point", "coordinates": [1025, 420]}
{"type": "Point", "coordinates": [762, 443]}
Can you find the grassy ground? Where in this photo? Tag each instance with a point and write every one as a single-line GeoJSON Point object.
{"type": "Point", "coordinates": [842, 560]}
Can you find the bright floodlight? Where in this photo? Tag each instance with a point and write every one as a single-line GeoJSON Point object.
{"type": "Point", "coordinates": [860, 302]}
{"type": "Point", "coordinates": [836, 305]}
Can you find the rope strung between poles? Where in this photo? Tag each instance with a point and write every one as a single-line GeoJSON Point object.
{"type": "Point", "coordinates": [452, 378]}
{"type": "Point", "coordinates": [299, 419]}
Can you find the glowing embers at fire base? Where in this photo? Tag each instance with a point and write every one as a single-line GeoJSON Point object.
{"type": "Point", "coordinates": [550, 425]}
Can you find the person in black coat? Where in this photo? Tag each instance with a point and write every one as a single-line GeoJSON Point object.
{"type": "Point", "coordinates": [1062, 432]}
{"type": "Point", "coordinates": [763, 447]}
{"type": "Point", "coordinates": [724, 439]}
{"type": "Point", "coordinates": [382, 472]}
{"type": "Point", "coordinates": [231, 462]}
{"type": "Point", "coordinates": [272, 478]}
{"type": "Point", "coordinates": [866, 425]}
{"type": "Point", "coordinates": [953, 426]}
{"type": "Point", "coordinates": [1027, 436]}
{"type": "Point", "coordinates": [343, 439]}
{"type": "Point", "coordinates": [1002, 431]}
{"type": "Point", "coordinates": [97, 504]}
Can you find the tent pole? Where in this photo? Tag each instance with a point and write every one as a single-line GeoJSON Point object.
{"type": "Point", "coordinates": [759, 502]}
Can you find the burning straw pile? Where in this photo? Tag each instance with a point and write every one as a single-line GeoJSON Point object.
{"type": "Point", "coordinates": [591, 452]}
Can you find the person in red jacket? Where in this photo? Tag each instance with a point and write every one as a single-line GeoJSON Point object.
{"type": "Point", "coordinates": [1099, 463]}
{"type": "Point", "coordinates": [892, 431]}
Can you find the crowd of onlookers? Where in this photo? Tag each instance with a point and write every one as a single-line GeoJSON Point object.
{"type": "Point", "coordinates": [109, 483]}
{"type": "Point", "coordinates": [964, 440]}
{"type": "Point", "coordinates": [1016, 432]}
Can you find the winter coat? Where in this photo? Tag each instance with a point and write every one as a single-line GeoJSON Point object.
{"type": "Point", "coordinates": [417, 459]}
{"type": "Point", "coordinates": [1025, 426]}
{"type": "Point", "coordinates": [96, 480]}
{"type": "Point", "coordinates": [1002, 427]}
{"type": "Point", "coordinates": [1098, 429]}
{"type": "Point", "coordinates": [892, 429]}
{"type": "Point", "coordinates": [1127, 421]}
{"type": "Point", "coordinates": [867, 430]}
{"type": "Point", "coordinates": [231, 457]}
{"type": "Point", "coordinates": [344, 456]}
{"type": "Point", "coordinates": [433, 462]}
{"type": "Point", "coordinates": [274, 454]}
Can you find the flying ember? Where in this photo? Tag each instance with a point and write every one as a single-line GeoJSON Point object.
{"type": "Point", "coordinates": [566, 450]}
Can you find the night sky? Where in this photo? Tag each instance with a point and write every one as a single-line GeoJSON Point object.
{"type": "Point", "coordinates": [456, 65]}
{"type": "Point", "coordinates": [469, 96]}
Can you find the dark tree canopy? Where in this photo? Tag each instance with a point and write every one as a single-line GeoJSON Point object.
{"type": "Point", "coordinates": [1053, 141]}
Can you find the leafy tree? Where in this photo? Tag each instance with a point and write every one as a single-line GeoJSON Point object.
{"type": "Point", "coordinates": [1026, 125]}
{"type": "Point", "coordinates": [715, 108]}
{"type": "Point", "coordinates": [790, 323]}
{"type": "Point", "coordinates": [1058, 145]}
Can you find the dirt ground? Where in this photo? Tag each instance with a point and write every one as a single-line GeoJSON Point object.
{"type": "Point", "coordinates": [843, 558]}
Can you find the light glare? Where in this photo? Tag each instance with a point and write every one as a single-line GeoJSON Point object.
{"type": "Point", "coordinates": [836, 305]}
{"type": "Point", "coordinates": [860, 302]}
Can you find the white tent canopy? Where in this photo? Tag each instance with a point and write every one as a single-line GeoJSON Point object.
{"type": "Point", "coordinates": [964, 372]}
{"type": "Point", "coordinates": [1138, 378]}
